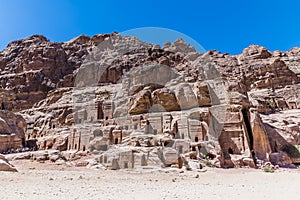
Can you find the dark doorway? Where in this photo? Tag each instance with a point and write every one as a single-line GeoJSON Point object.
{"type": "Point", "coordinates": [23, 142]}
{"type": "Point", "coordinates": [275, 147]}
{"type": "Point", "coordinates": [116, 140]}
{"type": "Point", "coordinates": [249, 129]}
{"type": "Point", "coordinates": [196, 139]}
{"type": "Point", "coordinates": [100, 113]}
{"type": "Point", "coordinates": [230, 151]}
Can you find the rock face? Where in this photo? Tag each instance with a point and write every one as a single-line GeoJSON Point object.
{"type": "Point", "coordinates": [256, 52]}
{"type": "Point", "coordinates": [5, 165]}
{"type": "Point", "coordinates": [108, 90]}
{"type": "Point", "coordinates": [32, 67]}
{"type": "Point", "coordinates": [12, 131]}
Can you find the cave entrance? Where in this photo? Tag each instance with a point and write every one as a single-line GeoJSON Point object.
{"type": "Point", "coordinates": [249, 130]}
{"type": "Point", "coordinates": [23, 142]}
{"type": "Point", "coordinates": [230, 151]}
{"type": "Point", "coordinates": [100, 114]}
{"type": "Point", "coordinates": [275, 147]}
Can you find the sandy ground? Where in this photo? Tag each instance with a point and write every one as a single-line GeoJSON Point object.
{"type": "Point", "coordinates": [48, 181]}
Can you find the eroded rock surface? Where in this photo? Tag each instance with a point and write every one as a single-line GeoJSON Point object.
{"type": "Point", "coordinates": [102, 92]}
{"type": "Point", "coordinates": [5, 165]}
{"type": "Point", "coordinates": [12, 131]}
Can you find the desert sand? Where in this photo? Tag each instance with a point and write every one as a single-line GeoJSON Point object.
{"type": "Point", "coordinates": [48, 181]}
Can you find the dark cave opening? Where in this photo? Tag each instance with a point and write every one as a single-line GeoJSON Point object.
{"type": "Point", "coordinates": [249, 130]}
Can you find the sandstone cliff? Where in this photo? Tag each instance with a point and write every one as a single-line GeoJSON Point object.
{"type": "Point", "coordinates": [97, 92]}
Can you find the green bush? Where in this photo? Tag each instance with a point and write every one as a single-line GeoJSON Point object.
{"type": "Point", "coordinates": [268, 169]}
{"type": "Point", "coordinates": [208, 162]}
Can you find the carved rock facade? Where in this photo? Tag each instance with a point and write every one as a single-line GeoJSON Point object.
{"type": "Point", "coordinates": [212, 104]}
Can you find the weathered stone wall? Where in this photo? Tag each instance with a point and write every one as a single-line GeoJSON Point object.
{"type": "Point", "coordinates": [261, 144]}
{"type": "Point", "coordinates": [12, 131]}
{"type": "Point", "coordinates": [187, 101]}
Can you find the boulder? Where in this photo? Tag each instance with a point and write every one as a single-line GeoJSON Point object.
{"type": "Point", "coordinates": [99, 144]}
{"type": "Point", "coordinates": [185, 96]}
{"type": "Point", "coordinates": [5, 165]}
{"type": "Point", "coordinates": [203, 95]}
{"type": "Point", "coordinates": [70, 155]}
{"type": "Point", "coordinates": [165, 99]}
{"type": "Point", "coordinates": [54, 158]}
{"type": "Point", "coordinates": [19, 156]}
{"type": "Point", "coordinates": [280, 158]}
{"type": "Point", "coordinates": [168, 156]}
{"type": "Point", "coordinates": [241, 161]}
{"type": "Point", "coordinates": [194, 165]}
{"type": "Point", "coordinates": [140, 102]}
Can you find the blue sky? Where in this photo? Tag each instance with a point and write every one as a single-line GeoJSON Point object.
{"type": "Point", "coordinates": [226, 26]}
